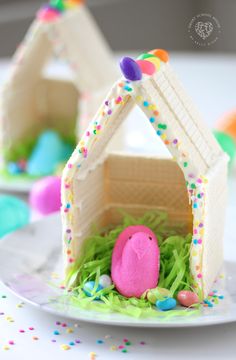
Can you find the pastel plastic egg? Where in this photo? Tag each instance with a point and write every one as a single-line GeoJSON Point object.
{"type": "Point", "coordinates": [227, 144]}
{"type": "Point", "coordinates": [166, 304]}
{"type": "Point", "coordinates": [105, 281]}
{"type": "Point", "coordinates": [157, 294]}
{"type": "Point", "coordinates": [147, 67]}
{"type": "Point", "coordinates": [161, 54]}
{"type": "Point", "coordinates": [45, 195]}
{"type": "Point", "coordinates": [187, 298]}
{"type": "Point", "coordinates": [14, 214]}
{"type": "Point", "coordinates": [130, 69]}
{"type": "Point", "coordinates": [89, 287]}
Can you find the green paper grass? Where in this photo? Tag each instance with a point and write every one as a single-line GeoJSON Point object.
{"type": "Point", "coordinates": [95, 260]}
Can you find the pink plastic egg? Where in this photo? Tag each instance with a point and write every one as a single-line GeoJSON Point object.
{"type": "Point", "coordinates": [146, 66]}
{"type": "Point", "coordinates": [187, 298]}
{"type": "Point", "coordinates": [45, 195]}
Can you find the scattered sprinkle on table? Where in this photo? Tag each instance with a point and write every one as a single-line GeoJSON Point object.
{"type": "Point", "coordinates": [56, 332]}
{"type": "Point", "coordinates": [6, 347]}
{"type": "Point", "coordinates": [31, 328]}
{"type": "Point", "coordinates": [69, 330]}
{"type": "Point", "coordinates": [35, 338]}
{"type": "Point", "coordinates": [99, 341]}
{"type": "Point", "coordinates": [11, 342]}
{"type": "Point", "coordinates": [21, 331]}
{"type": "Point", "coordinates": [124, 350]}
{"type": "Point", "coordinates": [65, 347]}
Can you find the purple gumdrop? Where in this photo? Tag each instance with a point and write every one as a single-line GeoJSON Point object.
{"type": "Point", "coordinates": [130, 69]}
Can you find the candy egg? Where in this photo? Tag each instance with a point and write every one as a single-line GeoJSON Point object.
{"type": "Point", "coordinates": [187, 298]}
{"type": "Point", "coordinates": [147, 67]}
{"type": "Point", "coordinates": [227, 144]}
{"type": "Point", "coordinates": [45, 195]}
{"type": "Point", "coordinates": [130, 69]}
{"type": "Point", "coordinates": [161, 54]}
{"type": "Point", "coordinates": [89, 287]}
{"type": "Point", "coordinates": [14, 213]}
{"type": "Point", "coordinates": [157, 294]}
{"type": "Point", "coordinates": [105, 281]}
{"type": "Point", "coordinates": [166, 304]}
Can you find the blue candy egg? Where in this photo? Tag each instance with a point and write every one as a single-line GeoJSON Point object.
{"type": "Point", "coordinates": [14, 214]}
{"type": "Point", "coordinates": [89, 287]}
{"type": "Point", "coordinates": [130, 69]}
{"type": "Point", "coordinates": [166, 304]}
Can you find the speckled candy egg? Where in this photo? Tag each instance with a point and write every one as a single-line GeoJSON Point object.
{"type": "Point", "coordinates": [187, 298]}
{"type": "Point", "coordinates": [89, 288]}
{"type": "Point", "coordinates": [45, 195]}
{"type": "Point", "coordinates": [157, 294]}
{"type": "Point", "coordinates": [105, 281]}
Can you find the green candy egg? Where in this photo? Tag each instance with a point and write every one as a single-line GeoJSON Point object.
{"type": "Point", "coordinates": [14, 213]}
{"type": "Point", "coordinates": [227, 144]}
{"type": "Point", "coordinates": [145, 56]}
{"type": "Point", "coordinates": [157, 294]}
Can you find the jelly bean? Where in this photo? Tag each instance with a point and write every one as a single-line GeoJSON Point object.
{"type": "Point", "coordinates": [147, 67]}
{"type": "Point", "coordinates": [166, 304]}
{"type": "Point", "coordinates": [187, 298]}
{"type": "Point", "coordinates": [130, 69]}
{"type": "Point", "coordinates": [105, 281]}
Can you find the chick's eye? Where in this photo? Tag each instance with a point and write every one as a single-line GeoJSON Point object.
{"type": "Point", "coordinates": [150, 238]}
{"type": "Point", "coordinates": [130, 237]}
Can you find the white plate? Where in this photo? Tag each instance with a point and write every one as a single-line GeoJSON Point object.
{"type": "Point", "coordinates": [16, 185]}
{"type": "Point", "coordinates": [29, 256]}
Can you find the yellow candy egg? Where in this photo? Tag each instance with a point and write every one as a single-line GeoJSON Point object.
{"type": "Point", "coordinates": [156, 61]}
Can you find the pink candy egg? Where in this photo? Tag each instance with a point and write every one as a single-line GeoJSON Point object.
{"type": "Point", "coordinates": [47, 14]}
{"type": "Point", "coordinates": [45, 195]}
{"type": "Point", "coordinates": [146, 66]}
{"type": "Point", "coordinates": [187, 298]}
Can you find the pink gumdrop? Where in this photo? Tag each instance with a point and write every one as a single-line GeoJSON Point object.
{"type": "Point", "coordinates": [45, 195]}
{"type": "Point", "coordinates": [135, 261]}
{"type": "Point", "coordinates": [47, 14]}
{"type": "Point", "coordinates": [147, 67]}
{"type": "Point", "coordinates": [187, 298]}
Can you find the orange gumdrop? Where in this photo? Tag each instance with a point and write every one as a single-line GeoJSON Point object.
{"type": "Point", "coordinates": [228, 124]}
{"type": "Point", "coordinates": [161, 54]}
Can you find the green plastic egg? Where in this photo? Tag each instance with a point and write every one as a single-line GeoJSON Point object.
{"type": "Point", "coordinates": [14, 213]}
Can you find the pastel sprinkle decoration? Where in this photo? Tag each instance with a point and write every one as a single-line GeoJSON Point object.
{"type": "Point", "coordinates": [130, 69]}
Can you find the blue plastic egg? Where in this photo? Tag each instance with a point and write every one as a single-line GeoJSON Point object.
{"type": "Point", "coordinates": [14, 214]}
{"type": "Point", "coordinates": [89, 287]}
{"type": "Point", "coordinates": [166, 304]}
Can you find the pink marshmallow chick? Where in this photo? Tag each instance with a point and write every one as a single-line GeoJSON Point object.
{"type": "Point", "coordinates": [135, 261]}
